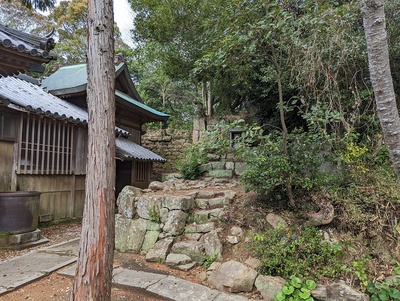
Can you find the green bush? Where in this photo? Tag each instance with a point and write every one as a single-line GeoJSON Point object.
{"type": "Point", "coordinates": [269, 168]}
{"type": "Point", "coordinates": [297, 252]}
{"type": "Point", "coordinates": [189, 165]}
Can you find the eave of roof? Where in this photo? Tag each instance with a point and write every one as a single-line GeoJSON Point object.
{"type": "Point", "coordinates": [142, 107]}
{"type": "Point", "coordinates": [127, 150]}
{"type": "Point", "coordinates": [26, 43]}
{"type": "Point", "coordinates": [32, 98]}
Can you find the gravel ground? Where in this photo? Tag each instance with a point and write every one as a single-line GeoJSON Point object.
{"type": "Point", "coordinates": [54, 233]}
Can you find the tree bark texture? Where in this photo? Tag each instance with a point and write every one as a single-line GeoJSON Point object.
{"type": "Point", "coordinates": [381, 78]}
{"type": "Point", "coordinates": [96, 253]}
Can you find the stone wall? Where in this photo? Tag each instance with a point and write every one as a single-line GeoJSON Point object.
{"type": "Point", "coordinates": [169, 144]}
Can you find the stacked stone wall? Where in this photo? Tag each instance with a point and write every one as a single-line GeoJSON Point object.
{"type": "Point", "coordinates": [170, 144]}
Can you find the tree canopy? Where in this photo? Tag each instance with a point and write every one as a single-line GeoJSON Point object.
{"type": "Point", "coordinates": [228, 45]}
{"type": "Point", "coordinates": [42, 5]}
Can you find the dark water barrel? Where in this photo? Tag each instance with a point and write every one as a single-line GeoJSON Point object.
{"type": "Point", "coordinates": [19, 211]}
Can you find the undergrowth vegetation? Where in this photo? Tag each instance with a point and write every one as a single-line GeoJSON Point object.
{"type": "Point", "coordinates": [352, 172]}
{"type": "Point", "coordinates": [298, 251]}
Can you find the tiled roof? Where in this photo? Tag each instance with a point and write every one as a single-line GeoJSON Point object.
{"type": "Point", "coordinates": [67, 79]}
{"type": "Point", "coordinates": [26, 43]}
{"type": "Point", "coordinates": [17, 93]}
{"type": "Point", "coordinates": [21, 95]}
{"type": "Point", "coordinates": [128, 150]}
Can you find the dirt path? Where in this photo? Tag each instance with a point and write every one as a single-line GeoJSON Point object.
{"type": "Point", "coordinates": [58, 288]}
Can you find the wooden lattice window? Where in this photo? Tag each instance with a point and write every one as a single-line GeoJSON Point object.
{"type": "Point", "coordinates": [142, 171]}
{"type": "Point", "coordinates": [45, 146]}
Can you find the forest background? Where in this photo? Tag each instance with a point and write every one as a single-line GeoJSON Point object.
{"type": "Point", "coordinates": [294, 74]}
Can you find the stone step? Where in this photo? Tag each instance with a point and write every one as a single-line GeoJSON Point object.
{"type": "Point", "coordinates": [221, 173]}
{"type": "Point", "coordinates": [212, 203]}
{"type": "Point", "coordinates": [200, 228]}
{"type": "Point", "coordinates": [206, 216]}
{"type": "Point", "coordinates": [176, 259]}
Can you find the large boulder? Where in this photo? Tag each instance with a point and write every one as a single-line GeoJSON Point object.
{"type": "Point", "coordinates": [212, 245]}
{"type": "Point", "coordinates": [126, 201]}
{"type": "Point", "coordinates": [129, 234]}
{"type": "Point", "coordinates": [338, 291]}
{"type": "Point", "coordinates": [149, 241]}
{"type": "Point", "coordinates": [269, 286]}
{"type": "Point", "coordinates": [160, 250]}
{"type": "Point", "coordinates": [148, 207]}
{"type": "Point", "coordinates": [175, 223]}
{"type": "Point", "coordinates": [174, 259]}
{"type": "Point", "coordinates": [234, 277]}
{"type": "Point", "coordinates": [193, 249]}
{"type": "Point", "coordinates": [184, 203]}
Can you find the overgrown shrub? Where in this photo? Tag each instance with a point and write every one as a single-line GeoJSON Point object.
{"type": "Point", "coordinates": [269, 168]}
{"type": "Point", "coordinates": [189, 165]}
{"type": "Point", "coordinates": [297, 252]}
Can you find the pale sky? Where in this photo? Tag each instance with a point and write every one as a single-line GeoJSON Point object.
{"type": "Point", "coordinates": [123, 16]}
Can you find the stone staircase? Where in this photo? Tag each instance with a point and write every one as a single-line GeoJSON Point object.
{"type": "Point", "coordinates": [180, 230]}
{"type": "Point", "coordinates": [225, 167]}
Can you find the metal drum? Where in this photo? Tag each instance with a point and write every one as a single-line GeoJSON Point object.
{"type": "Point", "coordinates": [19, 211]}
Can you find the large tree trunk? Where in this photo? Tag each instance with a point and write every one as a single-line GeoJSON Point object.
{"type": "Point", "coordinates": [381, 78]}
{"type": "Point", "coordinates": [96, 253]}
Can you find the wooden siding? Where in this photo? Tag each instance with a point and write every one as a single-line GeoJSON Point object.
{"type": "Point", "coordinates": [6, 166]}
{"type": "Point", "coordinates": [80, 151]}
{"type": "Point", "coordinates": [62, 196]}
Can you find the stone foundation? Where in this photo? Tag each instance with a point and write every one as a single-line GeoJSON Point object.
{"type": "Point", "coordinates": [21, 240]}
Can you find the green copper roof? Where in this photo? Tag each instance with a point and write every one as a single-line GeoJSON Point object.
{"type": "Point", "coordinates": [67, 77]}
{"type": "Point", "coordinates": [73, 79]}
{"type": "Point", "coordinates": [140, 105]}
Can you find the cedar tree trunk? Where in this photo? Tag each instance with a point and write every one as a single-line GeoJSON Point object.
{"type": "Point", "coordinates": [381, 78]}
{"type": "Point", "coordinates": [96, 253]}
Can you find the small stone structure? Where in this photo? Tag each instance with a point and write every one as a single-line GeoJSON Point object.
{"type": "Point", "coordinates": [223, 167]}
